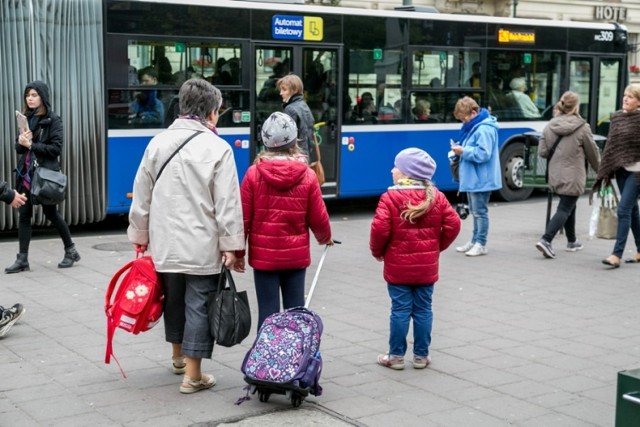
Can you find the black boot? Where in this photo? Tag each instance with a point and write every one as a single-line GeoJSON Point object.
{"type": "Point", "coordinates": [21, 264]}
{"type": "Point", "coordinates": [70, 256]}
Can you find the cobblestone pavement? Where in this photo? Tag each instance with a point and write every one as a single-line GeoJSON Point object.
{"type": "Point", "coordinates": [518, 340]}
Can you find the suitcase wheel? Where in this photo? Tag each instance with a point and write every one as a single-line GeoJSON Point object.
{"type": "Point", "coordinates": [263, 396]}
{"type": "Point", "coordinates": [296, 400]}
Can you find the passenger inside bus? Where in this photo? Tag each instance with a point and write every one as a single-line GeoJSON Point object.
{"type": "Point", "coordinates": [365, 109]}
{"type": "Point", "coordinates": [518, 87]}
{"type": "Point", "coordinates": [146, 108]}
{"type": "Point", "coordinates": [421, 111]}
{"type": "Point", "coordinates": [474, 80]}
{"type": "Point", "coordinates": [500, 105]}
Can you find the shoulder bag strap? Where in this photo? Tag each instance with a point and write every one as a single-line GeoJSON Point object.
{"type": "Point", "coordinates": [551, 152]}
{"type": "Point", "coordinates": [176, 152]}
{"type": "Point", "coordinates": [315, 140]}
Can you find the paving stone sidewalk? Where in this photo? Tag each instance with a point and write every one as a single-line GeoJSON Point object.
{"type": "Point", "coordinates": [518, 340]}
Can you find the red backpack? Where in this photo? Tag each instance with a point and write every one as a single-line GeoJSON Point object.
{"type": "Point", "coordinates": [138, 302]}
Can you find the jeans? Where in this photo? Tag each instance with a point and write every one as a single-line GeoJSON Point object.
{"type": "Point", "coordinates": [410, 302]}
{"type": "Point", "coordinates": [51, 213]}
{"type": "Point", "coordinates": [269, 285]}
{"type": "Point", "coordinates": [186, 315]}
{"type": "Point", "coordinates": [628, 213]}
{"type": "Point", "coordinates": [478, 205]}
{"type": "Point", "coordinates": [564, 216]}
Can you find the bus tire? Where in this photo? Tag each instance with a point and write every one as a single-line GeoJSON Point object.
{"type": "Point", "coordinates": [512, 163]}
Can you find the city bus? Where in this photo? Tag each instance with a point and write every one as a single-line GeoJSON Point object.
{"type": "Point", "coordinates": [377, 81]}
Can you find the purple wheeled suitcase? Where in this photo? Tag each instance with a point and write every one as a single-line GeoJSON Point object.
{"type": "Point", "coordinates": [285, 357]}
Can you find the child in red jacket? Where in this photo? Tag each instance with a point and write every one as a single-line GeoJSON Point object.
{"type": "Point", "coordinates": [281, 201]}
{"type": "Point", "coordinates": [413, 223]}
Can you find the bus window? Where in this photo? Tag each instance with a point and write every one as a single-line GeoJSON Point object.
{"type": "Point", "coordinates": [218, 63]}
{"type": "Point", "coordinates": [580, 77]}
{"type": "Point", "coordinates": [234, 111]}
{"type": "Point", "coordinates": [374, 87]}
{"type": "Point", "coordinates": [271, 64]}
{"type": "Point", "coordinates": [522, 85]}
{"type": "Point", "coordinates": [608, 101]}
{"type": "Point", "coordinates": [143, 107]}
{"type": "Point", "coordinates": [319, 77]}
{"type": "Point", "coordinates": [163, 56]}
{"type": "Point", "coordinates": [429, 68]}
{"type": "Point", "coordinates": [450, 69]}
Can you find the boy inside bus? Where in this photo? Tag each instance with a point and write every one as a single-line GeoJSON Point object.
{"type": "Point", "coordinates": [146, 108]}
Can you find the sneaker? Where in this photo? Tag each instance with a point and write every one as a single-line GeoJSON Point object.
{"type": "Point", "coordinates": [476, 250]}
{"type": "Point", "coordinates": [574, 246]}
{"type": "Point", "coordinates": [421, 362]}
{"type": "Point", "coordinates": [546, 249]}
{"type": "Point", "coordinates": [189, 386]}
{"type": "Point", "coordinates": [179, 366]}
{"type": "Point", "coordinates": [9, 317]}
{"type": "Point", "coordinates": [393, 362]}
{"type": "Point", "coordinates": [464, 248]}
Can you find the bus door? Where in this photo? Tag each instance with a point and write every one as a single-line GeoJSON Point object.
{"type": "Point", "coordinates": [318, 67]}
{"type": "Point", "coordinates": [596, 80]}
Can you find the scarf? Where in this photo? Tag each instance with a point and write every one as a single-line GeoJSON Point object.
{"type": "Point", "coordinates": [623, 146]}
{"type": "Point", "coordinates": [205, 123]}
{"type": "Point", "coordinates": [26, 171]}
{"type": "Point", "coordinates": [468, 127]}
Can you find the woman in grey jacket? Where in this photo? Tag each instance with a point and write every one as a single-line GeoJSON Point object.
{"type": "Point", "coordinates": [565, 143]}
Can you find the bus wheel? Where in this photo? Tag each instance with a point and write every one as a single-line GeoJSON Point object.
{"type": "Point", "coordinates": [512, 162]}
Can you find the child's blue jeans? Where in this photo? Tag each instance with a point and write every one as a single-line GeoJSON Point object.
{"type": "Point", "coordinates": [410, 302]}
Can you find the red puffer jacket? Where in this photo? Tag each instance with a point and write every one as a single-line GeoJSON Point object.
{"type": "Point", "coordinates": [281, 200]}
{"type": "Point", "coordinates": [412, 251]}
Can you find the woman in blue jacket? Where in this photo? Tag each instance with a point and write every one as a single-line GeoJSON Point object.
{"type": "Point", "coordinates": [479, 171]}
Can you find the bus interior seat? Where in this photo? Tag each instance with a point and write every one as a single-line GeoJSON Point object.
{"type": "Point", "coordinates": [172, 110]}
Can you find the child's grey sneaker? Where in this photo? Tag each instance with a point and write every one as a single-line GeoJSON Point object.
{"type": "Point", "coordinates": [421, 362]}
{"type": "Point", "coordinates": [393, 362]}
{"type": "Point", "coordinates": [574, 246]}
{"type": "Point", "coordinates": [546, 249]}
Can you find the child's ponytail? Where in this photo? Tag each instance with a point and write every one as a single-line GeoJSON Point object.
{"type": "Point", "coordinates": [412, 212]}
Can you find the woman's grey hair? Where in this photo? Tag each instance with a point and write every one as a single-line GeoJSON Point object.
{"type": "Point", "coordinates": [200, 98]}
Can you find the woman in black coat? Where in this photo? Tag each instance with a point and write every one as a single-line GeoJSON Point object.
{"type": "Point", "coordinates": [41, 144]}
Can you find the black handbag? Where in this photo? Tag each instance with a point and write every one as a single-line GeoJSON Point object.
{"type": "Point", "coordinates": [229, 313]}
{"type": "Point", "coordinates": [48, 186]}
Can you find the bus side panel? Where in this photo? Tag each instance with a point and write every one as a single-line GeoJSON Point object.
{"type": "Point", "coordinates": [124, 155]}
{"type": "Point", "coordinates": [367, 157]}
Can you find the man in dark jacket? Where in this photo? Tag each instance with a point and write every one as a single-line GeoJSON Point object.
{"type": "Point", "coordinates": [11, 196]}
{"type": "Point", "coordinates": [9, 316]}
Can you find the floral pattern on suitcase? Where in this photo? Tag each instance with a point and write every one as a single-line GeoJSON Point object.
{"type": "Point", "coordinates": [286, 345]}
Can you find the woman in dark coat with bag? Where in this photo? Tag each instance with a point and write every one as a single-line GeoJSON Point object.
{"type": "Point", "coordinates": [569, 137]}
{"type": "Point", "coordinates": [40, 145]}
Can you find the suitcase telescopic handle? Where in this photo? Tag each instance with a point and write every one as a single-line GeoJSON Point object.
{"type": "Point", "coordinates": [315, 277]}
{"type": "Point", "coordinates": [632, 397]}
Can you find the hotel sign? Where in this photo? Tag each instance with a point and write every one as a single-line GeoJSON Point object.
{"type": "Point", "coordinates": [610, 13]}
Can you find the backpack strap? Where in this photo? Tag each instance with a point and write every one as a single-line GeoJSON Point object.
{"type": "Point", "coordinates": [111, 327]}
